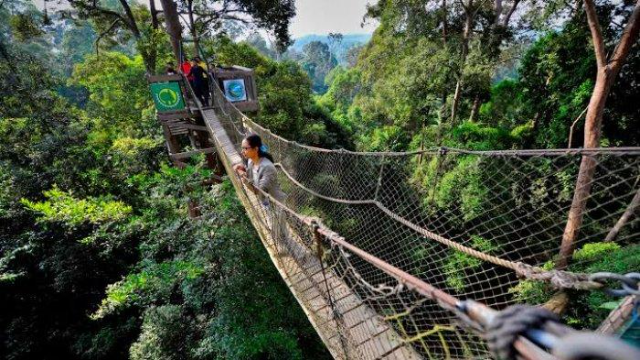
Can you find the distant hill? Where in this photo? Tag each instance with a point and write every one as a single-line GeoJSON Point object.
{"type": "Point", "coordinates": [348, 41]}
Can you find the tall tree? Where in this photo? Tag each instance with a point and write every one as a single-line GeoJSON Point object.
{"type": "Point", "coordinates": [318, 62]}
{"type": "Point", "coordinates": [173, 26]}
{"type": "Point", "coordinates": [608, 70]}
{"type": "Point", "coordinates": [121, 18]}
{"type": "Point", "coordinates": [204, 17]}
{"type": "Point", "coordinates": [335, 39]}
{"type": "Point", "coordinates": [497, 20]}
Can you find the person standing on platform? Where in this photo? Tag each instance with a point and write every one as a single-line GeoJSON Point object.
{"type": "Point", "coordinates": [204, 66]}
{"type": "Point", "coordinates": [199, 82]}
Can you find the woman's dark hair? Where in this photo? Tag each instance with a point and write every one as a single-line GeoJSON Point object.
{"type": "Point", "coordinates": [256, 142]}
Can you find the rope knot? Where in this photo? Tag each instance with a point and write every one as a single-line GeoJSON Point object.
{"type": "Point", "coordinates": [558, 278]}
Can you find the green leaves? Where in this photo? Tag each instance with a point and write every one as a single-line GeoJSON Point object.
{"type": "Point", "coordinates": [458, 262]}
{"type": "Point", "coordinates": [117, 87]}
{"type": "Point", "coordinates": [62, 207]}
{"type": "Point", "coordinates": [152, 285]}
{"type": "Point", "coordinates": [25, 26]}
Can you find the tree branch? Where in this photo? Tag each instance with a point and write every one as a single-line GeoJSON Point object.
{"type": "Point", "coordinates": [574, 124]}
{"type": "Point", "coordinates": [464, 6]}
{"type": "Point", "coordinates": [154, 14]}
{"type": "Point", "coordinates": [231, 17]}
{"type": "Point", "coordinates": [103, 34]}
{"type": "Point", "coordinates": [512, 10]}
{"type": "Point", "coordinates": [132, 21]}
{"type": "Point", "coordinates": [498, 10]}
{"type": "Point", "coordinates": [628, 213]}
{"type": "Point", "coordinates": [97, 9]}
{"type": "Point", "coordinates": [596, 33]}
{"type": "Point", "coordinates": [629, 37]}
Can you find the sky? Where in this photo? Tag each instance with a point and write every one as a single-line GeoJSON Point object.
{"type": "Point", "coordinates": [325, 16]}
{"type": "Point", "coordinates": [317, 16]}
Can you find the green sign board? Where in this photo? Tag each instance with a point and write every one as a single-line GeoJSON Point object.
{"type": "Point", "coordinates": [167, 96]}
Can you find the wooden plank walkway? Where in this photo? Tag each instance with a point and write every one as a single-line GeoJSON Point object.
{"type": "Point", "coordinates": [358, 332]}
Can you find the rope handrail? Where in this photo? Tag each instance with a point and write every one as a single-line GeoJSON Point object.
{"type": "Point", "coordinates": [630, 150]}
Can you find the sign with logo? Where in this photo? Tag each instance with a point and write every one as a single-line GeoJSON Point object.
{"type": "Point", "coordinates": [167, 96]}
{"type": "Point", "coordinates": [235, 90]}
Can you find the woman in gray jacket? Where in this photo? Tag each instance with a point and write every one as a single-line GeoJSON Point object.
{"type": "Point", "coordinates": [260, 170]}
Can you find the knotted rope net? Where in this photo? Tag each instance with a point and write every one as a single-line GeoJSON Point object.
{"type": "Point", "coordinates": [479, 225]}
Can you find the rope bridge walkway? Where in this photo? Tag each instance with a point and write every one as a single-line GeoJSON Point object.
{"type": "Point", "coordinates": [410, 255]}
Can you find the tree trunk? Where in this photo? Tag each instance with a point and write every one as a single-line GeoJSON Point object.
{"type": "Point", "coordinates": [174, 29]}
{"type": "Point", "coordinates": [468, 23]}
{"type": "Point", "coordinates": [196, 44]}
{"type": "Point", "coordinates": [607, 73]}
{"type": "Point", "coordinates": [192, 29]}
{"type": "Point", "coordinates": [154, 14]}
{"type": "Point", "coordinates": [475, 109]}
{"type": "Point", "coordinates": [445, 26]}
{"type": "Point", "coordinates": [443, 109]}
{"type": "Point", "coordinates": [628, 213]}
{"type": "Point", "coordinates": [456, 100]}
{"type": "Point", "coordinates": [498, 10]}
{"type": "Point", "coordinates": [130, 19]}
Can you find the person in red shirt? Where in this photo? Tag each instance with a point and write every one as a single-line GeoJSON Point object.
{"type": "Point", "coordinates": [185, 67]}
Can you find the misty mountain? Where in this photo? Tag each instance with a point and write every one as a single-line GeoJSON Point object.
{"type": "Point", "coordinates": [348, 41]}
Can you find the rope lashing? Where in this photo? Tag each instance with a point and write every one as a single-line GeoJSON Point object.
{"type": "Point", "coordinates": [561, 279]}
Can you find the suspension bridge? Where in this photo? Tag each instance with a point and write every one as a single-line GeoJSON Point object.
{"type": "Point", "coordinates": [415, 255]}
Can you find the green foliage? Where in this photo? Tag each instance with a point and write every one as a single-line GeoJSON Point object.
{"type": "Point", "coordinates": [533, 292]}
{"type": "Point", "coordinates": [318, 61]}
{"type": "Point", "coordinates": [62, 207]}
{"type": "Point", "coordinates": [458, 262]}
{"type": "Point", "coordinates": [462, 186]}
{"type": "Point", "coordinates": [163, 336]}
{"type": "Point", "coordinates": [25, 27]}
{"type": "Point", "coordinates": [117, 86]}
{"type": "Point", "coordinates": [481, 137]}
{"type": "Point", "coordinates": [151, 285]}
{"type": "Point", "coordinates": [594, 251]}
{"type": "Point", "coordinates": [588, 308]}
{"type": "Point", "coordinates": [345, 85]}
{"type": "Point", "coordinates": [599, 257]}
{"type": "Point", "coordinates": [174, 286]}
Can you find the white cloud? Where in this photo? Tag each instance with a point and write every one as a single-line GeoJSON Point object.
{"type": "Point", "coordinates": [325, 16]}
{"type": "Point", "coordinates": [312, 16]}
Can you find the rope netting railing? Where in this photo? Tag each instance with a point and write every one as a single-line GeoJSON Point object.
{"type": "Point", "coordinates": [366, 239]}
